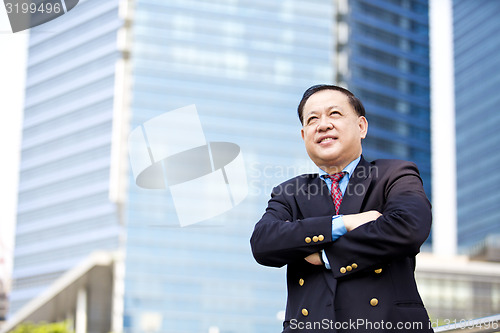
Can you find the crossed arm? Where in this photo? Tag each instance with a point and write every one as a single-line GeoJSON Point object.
{"type": "Point", "coordinates": [279, 238]}
{"type": "Point", "coordinates": [351, 222]}
{"type": "Point", "coordinates": [372, 237]}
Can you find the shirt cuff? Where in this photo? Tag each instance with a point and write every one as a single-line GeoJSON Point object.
{"type": "Point", "coordinates": [338, 227]}
{"type": "Point", "coordinates": [325, 260]}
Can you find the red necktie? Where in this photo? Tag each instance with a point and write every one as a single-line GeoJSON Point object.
{"type": "Point", "coordinates": [336, 192]}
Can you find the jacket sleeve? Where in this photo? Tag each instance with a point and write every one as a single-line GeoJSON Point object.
{"type": "Point", "coordinates": [400, 231]}
{"type": "Point", "coordinates": [280, 238]}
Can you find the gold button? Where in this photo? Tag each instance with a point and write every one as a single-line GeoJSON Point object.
{"type": "Point", "coordinates": [308, 239]}
{"type": "Point", "coordinates": [354, 265]}
{"type": "Point", "coordinates": [301, 282]}
{"type": "Point", "coordinates": [305, 313]}
{"type": "Point", "coordinates": [373, 302]}
{"type": "Point", "coordinates": [348, 268]}
{"type": "Point", "coordinates": [321, 238]}
{"type": "Point", "coordinates": [315, 239]}
{"type": "Point", "coordinates": [342, 270]}
{"type": "Point", "coordinates": [378, 271]}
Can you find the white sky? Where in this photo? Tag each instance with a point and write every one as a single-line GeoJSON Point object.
{"type": "Point", "coordinates": [12, 77]}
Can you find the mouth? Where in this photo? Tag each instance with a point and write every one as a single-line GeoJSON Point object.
{"type": "Point", "coordinates": [326, 139]}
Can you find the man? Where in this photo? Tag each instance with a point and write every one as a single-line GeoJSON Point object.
{"type": "Point", "coordinates": [348, 235]}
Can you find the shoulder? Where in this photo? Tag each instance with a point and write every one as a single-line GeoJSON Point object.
{"type": "Point", "coordinates": [389, 168]}
{"type": "Point", "coordinates": [392, 164]}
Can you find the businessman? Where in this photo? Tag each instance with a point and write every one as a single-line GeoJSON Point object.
{"type": "Point", "coordinates": [348, 234]}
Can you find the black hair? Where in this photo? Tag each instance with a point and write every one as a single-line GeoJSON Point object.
{"type": "Point", "coordinates": [353, 100]}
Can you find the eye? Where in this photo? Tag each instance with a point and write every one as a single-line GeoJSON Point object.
{"type": "Point", "coordinates": [311, 119]}
{"type": "Point", "coordinates": [335, 113]}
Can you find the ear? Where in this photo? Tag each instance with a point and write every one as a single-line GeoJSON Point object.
{"type": "Point", "coordinates": [363, 126]}
{"type": "Point", "coordinates": [302, 133]}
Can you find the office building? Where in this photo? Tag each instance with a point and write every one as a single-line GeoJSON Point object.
{"type": "Point", "coordinates": [458, 289]}
{"type": "Point", "coordinates": [64, 211]}
{"type": "Point", "coordinates": [383, 57]}
{"type": "Point", "coordinates": [477, 138]}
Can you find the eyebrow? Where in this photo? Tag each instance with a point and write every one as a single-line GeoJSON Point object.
{"type": "Point", "coordinates": [331, 107]}
{"type": "Point", "coordinates": [310, 113]}
{"type": "Point", "coordinates": [334, 107]}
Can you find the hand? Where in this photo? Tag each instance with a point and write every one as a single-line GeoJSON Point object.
{"type": "Point", "coordinates": [353, 221]}
{"type": "Point", "coordinates": [314, 259]}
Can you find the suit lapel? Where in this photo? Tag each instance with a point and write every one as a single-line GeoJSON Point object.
{"type": "Point", "coordinates": [356, 189]}
{"type": "Point", "coordinates": [314, 198]}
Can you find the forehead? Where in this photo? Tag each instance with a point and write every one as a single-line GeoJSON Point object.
{"type": "Point", "coordinates": [325, 99]}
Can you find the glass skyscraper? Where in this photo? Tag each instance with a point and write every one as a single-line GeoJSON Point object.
{"type": "Point", "coordinates": [477, 81]}
{"type": "Point", "coordinates": [64, 211]}
{"type": "Point", "coordinates": [383, 57]}
{"type": "Point", "coordinates": [107, 67]}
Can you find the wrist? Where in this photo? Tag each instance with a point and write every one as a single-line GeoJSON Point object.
{"type": "Point", "coordinates": [348, 222]}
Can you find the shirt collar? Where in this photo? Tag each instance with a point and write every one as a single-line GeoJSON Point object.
{"type": "Point", "coordinates": [349, 169]}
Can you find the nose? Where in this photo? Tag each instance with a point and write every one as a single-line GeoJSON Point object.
{"type": "Point", "coordinates": [324, 124]}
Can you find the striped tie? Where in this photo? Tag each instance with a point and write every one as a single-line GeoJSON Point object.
{"type": "Point", "coordinates": [336, 192]}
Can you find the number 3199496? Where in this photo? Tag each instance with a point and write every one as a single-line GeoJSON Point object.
{"type": "Point", "coordinates": [33, 8]}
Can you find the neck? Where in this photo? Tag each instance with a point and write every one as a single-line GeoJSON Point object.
{"type": "Point", "coordinates": [331, 169]}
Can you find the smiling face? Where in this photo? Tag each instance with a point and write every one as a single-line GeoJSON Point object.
{"type": "Point", "coordinates": [332, 130]}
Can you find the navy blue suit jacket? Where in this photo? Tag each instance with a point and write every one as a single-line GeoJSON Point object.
{"type": "Point", "coordinates": [371, 285]}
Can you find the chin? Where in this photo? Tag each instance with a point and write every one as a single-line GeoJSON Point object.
{"type": "Point", "coordinates": [326, 162]}
{"type": "Point", "coordinates": [329, 156]}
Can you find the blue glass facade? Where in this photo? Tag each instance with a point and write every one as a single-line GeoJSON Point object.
{"type": "Point", "coordinates": [477, 82]}
{"type": "Point", "coordinates": [388, 68]}
{"type": "Point", "coordinates": [64, 212]}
